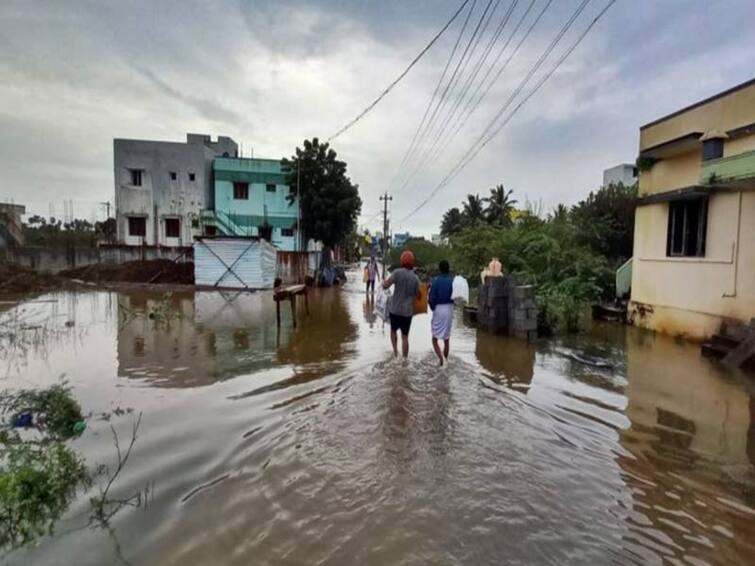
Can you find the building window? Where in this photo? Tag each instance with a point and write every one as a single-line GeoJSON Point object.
{"type": "Point", "coordinates": [713, 149]}
{"type": "Point", "coordinates": [136, 177]}
{"type": "Point", "coordinates": [241, 191]}
{"type": "Point", "coordinates": [270, 187]}
{"type": "Point", "coordinates": [172, 228]}
{"type": "Point", "coordinates": [192, 177]}
{"type": "Point", "coordinates": [137, 226]}
{"type": "Point", "coordinates": [173, 175]}
{"type": "Point", "coordinates": [687, 222]}
{"type": "Point", "coordinates": [287, 232]}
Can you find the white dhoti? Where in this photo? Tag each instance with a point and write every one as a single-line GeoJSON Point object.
{"type": "Point", "coordinates": [443, 317]}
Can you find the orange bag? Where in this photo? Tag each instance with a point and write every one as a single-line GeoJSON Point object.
{"type": "Point", "coordinates": [365, 275]}
{"type": "Point", "coordinates": [420, 301]}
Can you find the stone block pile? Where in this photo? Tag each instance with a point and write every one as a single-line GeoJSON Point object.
{"type": "Point", "coordinates": [508, 308]}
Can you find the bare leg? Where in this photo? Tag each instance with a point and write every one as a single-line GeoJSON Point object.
{"type": "Point", "coordinates": [436, 347]}
{"type": "Point", "coordinates": [446, 348]}
{"type": "Point", "coordinates": [394, 343]}
{"type": "Point", "coordinates": [405, 345]}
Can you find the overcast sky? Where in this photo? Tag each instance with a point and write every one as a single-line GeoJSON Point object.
{"type": "Point", "coordinates": [75, 74]}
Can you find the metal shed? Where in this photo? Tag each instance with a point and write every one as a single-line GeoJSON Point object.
{"type": "Point", "coordinates": [235, 263]}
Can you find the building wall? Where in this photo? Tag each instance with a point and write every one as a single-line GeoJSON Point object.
{"type": "Point", "coordinates": [692, 295]}
{"type": "Point", "coordinates": [261, 204]}
{"type": "Point", "coordinates": [159, 197]}
{"type": "Point", "coordinates": [624, 174]}
{"type": "Point", "coordinates": [724, 113]}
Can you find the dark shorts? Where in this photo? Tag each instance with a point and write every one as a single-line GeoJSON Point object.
{"type": "Point", "coordinates": [401, 323]}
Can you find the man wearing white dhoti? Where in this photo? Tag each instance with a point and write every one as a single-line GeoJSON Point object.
{"type": "Point", "coordinates": [442, 306]}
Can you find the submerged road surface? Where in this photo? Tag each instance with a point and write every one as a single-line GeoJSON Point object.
{"type": "Point", "coordinates": [313, 446]}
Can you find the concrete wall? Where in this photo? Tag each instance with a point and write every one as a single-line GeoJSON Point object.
{"type": "Point", "coordinates": [59, 259]}
{"type": "Point", "coordinates": [161, 197]}
{"type": "Point", "coordinates": [691, 296]}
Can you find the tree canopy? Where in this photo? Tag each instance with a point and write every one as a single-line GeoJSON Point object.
{"type": "Point", "coordinates": [500, 205]}
{"type": "Point", "coordinates": [329, 201]}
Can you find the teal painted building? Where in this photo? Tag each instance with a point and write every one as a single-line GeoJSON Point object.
{"type": "Point", "coordinates": [251, 199]}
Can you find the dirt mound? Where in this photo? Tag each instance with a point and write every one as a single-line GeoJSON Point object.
{"type": "Point", "coordinates": [154, 271]}
{"type": "Point", "coordinates": [17, 279]}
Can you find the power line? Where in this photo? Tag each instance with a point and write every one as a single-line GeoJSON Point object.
{"type": "Point", "coordinates": [468, 109]}
{"type": "Point", "coordinates": [475, 149]}
{"type": "Point", "coordinates": [401, 76]}
{"type": "Point", "coordinates": [425, 157]}
{"type": "Point", "coordinates": [435, 92]}
{"type": "Point", "coordinates": [460, 65]}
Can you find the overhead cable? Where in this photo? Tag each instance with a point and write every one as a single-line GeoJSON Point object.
{"type": "Point", "coordinates": [401, 76]}
{"type": "Point", "coordinates": [491, 131]}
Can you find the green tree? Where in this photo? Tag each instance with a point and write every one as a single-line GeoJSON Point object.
{"type": "Point", "coordinates": [559, 214]}
{"type": "Point", "coordinates": [500, 205]}
{"type": "Point", "coordinates": [606, 221]}
{"type": "Point", "coordinates": [452, 222]}
{"type": "Point", "coordinates": [328, 200]}
{"type": "Point", "coordinates": [426, 254]}
{"type": "Point", "coordinates": [474, 210]}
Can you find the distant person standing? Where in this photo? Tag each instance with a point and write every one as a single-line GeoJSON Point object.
{"type": "Point", "coordinates": [401, 308]}
{"type": "Point", "coordinates": [372, 271]}
{"type": "Point", "coordinates": [442, 306]}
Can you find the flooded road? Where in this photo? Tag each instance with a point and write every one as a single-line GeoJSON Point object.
{"type": "Point", "coordinates": [313, 446]}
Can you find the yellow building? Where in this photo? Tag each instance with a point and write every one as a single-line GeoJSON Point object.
{"type": "Point", "coordinates": [694, 237]}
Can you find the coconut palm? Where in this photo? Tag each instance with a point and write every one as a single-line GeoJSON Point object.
{"type": "Point", "coordinates": [500, 205]}
{"type": "Point", "coordinates": [452, 222]}
{"type": "Point", "coordinates": [559, 214]}
{"type": "Point", "coordinates": [474, 210]}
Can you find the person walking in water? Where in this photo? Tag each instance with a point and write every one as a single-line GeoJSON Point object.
{"type": "Point", "coordinates": [372, 271]}
{"type": "Point", "coordinates": [442, 306]}
{"type": "Point", "coordinates": [401, 307]}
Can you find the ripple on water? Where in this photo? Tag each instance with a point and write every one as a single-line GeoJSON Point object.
{"type": "Point", "coordinates": [314, 446]}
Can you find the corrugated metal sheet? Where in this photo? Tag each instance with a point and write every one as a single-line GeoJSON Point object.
{"type": "Point", "coordinates": [236, 263]}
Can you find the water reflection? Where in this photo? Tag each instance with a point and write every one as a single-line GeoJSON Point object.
{"type": "Point", "coordinates": [190, 339]}
{"type": "Point", "coordinates": [368, 308]}
{"type": "Point", "coordinates": [689, 443]}
{"type": "Point", "coordinates": [509, 361]}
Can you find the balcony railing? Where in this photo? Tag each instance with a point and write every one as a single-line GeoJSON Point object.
{"type": "Point", "coordinates": [735, 170]}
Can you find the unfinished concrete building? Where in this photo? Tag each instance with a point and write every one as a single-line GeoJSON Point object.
{"type": "Point", "coordinates": [161, 187]}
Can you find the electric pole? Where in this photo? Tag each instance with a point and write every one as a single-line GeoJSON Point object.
{"type": "Point", "coordinates": [385, 198]}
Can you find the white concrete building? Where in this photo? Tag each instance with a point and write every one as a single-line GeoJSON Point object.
{"type": "Point", "coordinates": [626, 174]}
{"type": "Point", "coordinates": [161, 187]}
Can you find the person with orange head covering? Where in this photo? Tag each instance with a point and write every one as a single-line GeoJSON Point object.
{"type": "Point", "coordinates": [401, 308]}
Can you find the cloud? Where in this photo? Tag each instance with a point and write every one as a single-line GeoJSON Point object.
{"type": "Point", "coordinates": [211, 109]}
{"type": "Point", "coordinates": [270, 73]}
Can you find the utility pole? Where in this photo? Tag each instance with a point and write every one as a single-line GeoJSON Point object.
{"type": "Point", "coordinates": [298, 243]}
{"type": "Point", "coordinates": [107, 206]}
{"type": "Point", "coordinates": [385, 198]}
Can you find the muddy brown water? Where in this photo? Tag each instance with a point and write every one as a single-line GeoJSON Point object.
{"type": "Point", "coordinates": [312, 446]}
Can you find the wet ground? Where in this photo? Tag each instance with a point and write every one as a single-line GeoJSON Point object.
{"type": "Point", "coordinates": [312, 446]}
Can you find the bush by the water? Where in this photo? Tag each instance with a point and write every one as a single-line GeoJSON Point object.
{"type": "Point", "coordinates": [566, 273]}
{"type": "Point", "coordinates": [39, 473]}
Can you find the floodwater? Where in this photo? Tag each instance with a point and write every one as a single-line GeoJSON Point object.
{"type": "Point", "coordinates": [310, 445]}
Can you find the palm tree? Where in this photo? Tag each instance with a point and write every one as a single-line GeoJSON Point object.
{"type": "Point", "coordinates": [474, 210]}
{"type": "Point", "coordinates": [452, 222]}
{"type": "Point", "coordinates": [559, 214]}
{"type": "Point", "coordinates": [500, 205]}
